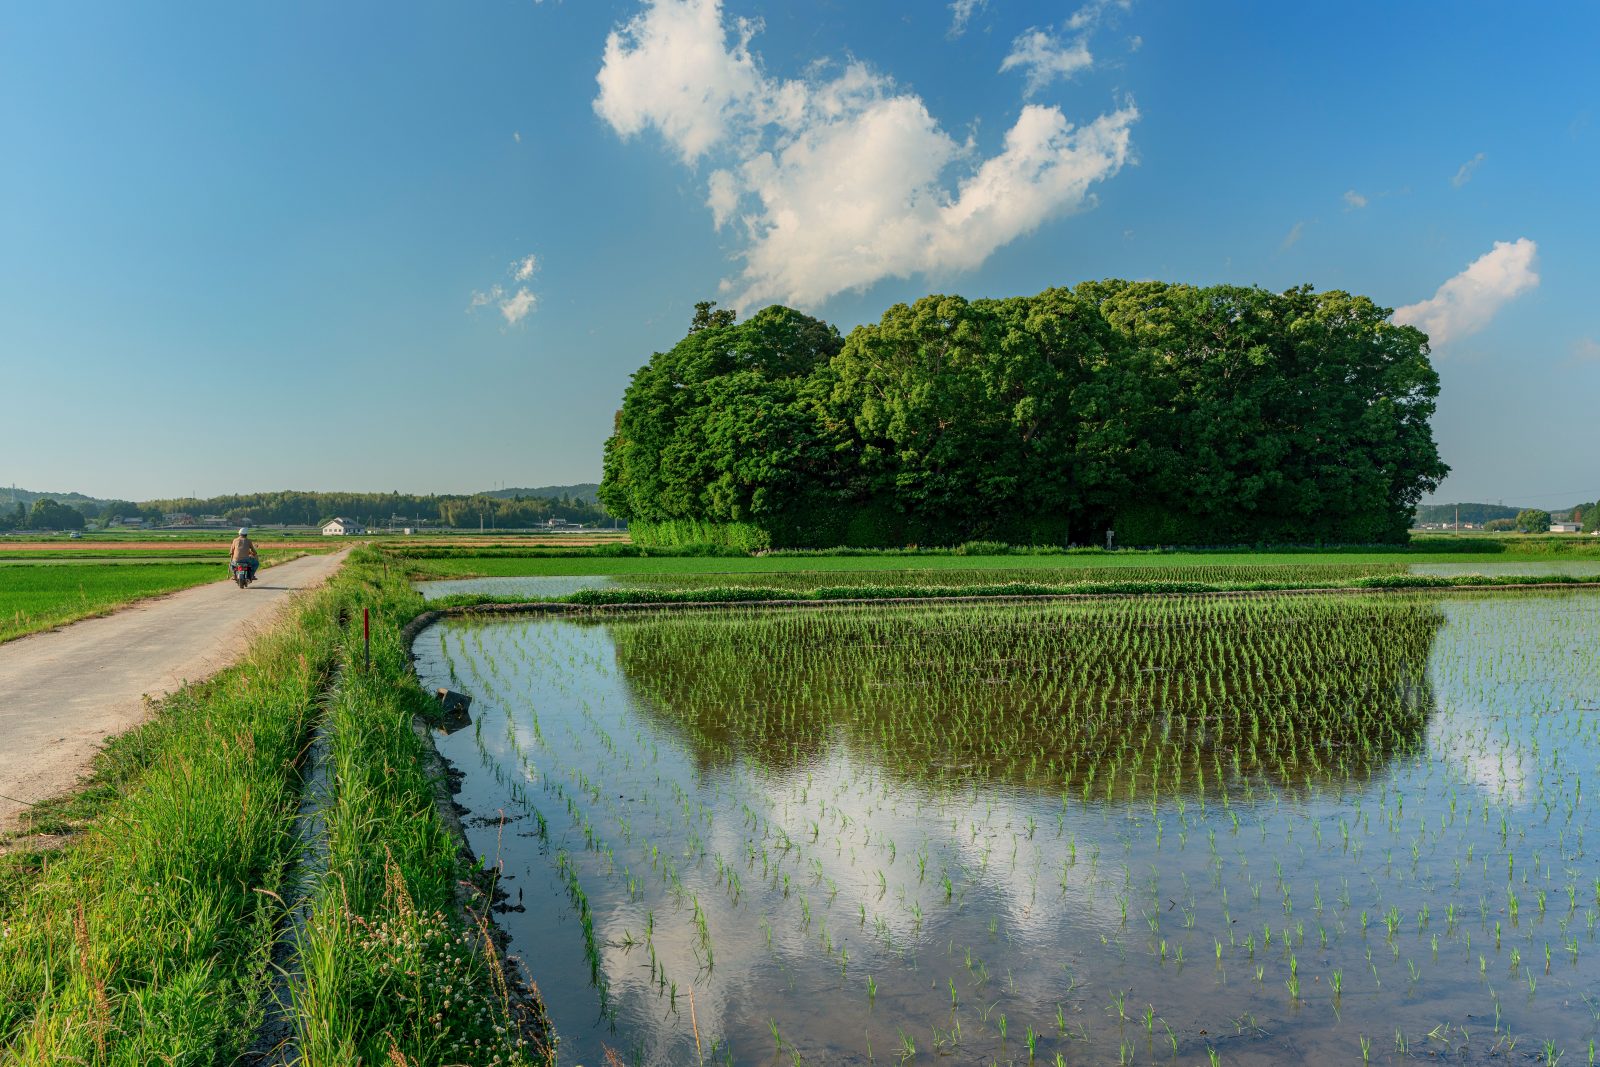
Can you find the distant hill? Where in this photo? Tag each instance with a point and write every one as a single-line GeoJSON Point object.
{"type": "Point", "coordinates": [9, 498]}
{"type": "Point", "coordinates": [587, 492]}
{"type": "Point", "coordinates": [1473, 513]}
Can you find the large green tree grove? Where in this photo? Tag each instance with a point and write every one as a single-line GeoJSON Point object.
{"type": "Point", "coordinates": [1174, 414]}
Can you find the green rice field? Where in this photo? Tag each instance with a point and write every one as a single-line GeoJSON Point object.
{"type": "Point", "coordinates": [1327, 830]}
{"type": "Point", "coordinates": [510, 565]}
{"type": "Point", "coordinates": [34, 598]}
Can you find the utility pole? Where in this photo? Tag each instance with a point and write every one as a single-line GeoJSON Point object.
{"type": "Point", "coordinates": [1458, 518]}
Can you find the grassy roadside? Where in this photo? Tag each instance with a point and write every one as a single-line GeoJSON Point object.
{"type": "Point", "coordinates": [147, 938]}
{"type": "Point", "coordinates": [392, 973]}
{"type": "Point", "coordinates": [36, 597]}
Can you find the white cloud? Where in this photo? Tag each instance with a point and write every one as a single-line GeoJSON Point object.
{"type": "Point", "coordinates": [722, 196]}
{"type": "Point", "coordinates": [517, 306]}
{"type": "Point", "coordinates": [961, 13]}
{"type": "Point", "coordinates": [513, 307]}
{"type": "Point", "coordinates": [670, 67]}
{"type": "Point", "coordinates": [1292, 237]}
{"type": "Point", "coordinates": [839, 180]}
{"type": "Point", "coordinates": [1464, 175]}
{"type": "Point", "coordinates": [1466, 303]}
{"type": "Point", "coordinates": [1090, 15]}
{"type": "Point", "coordinates": [1045, 58]}
{"type": "Point", "coordinates": [1353, 200]}
{"type": "Point", "coordinates": [1586, 350]}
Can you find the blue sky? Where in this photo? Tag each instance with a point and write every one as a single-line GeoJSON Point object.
{"type": "Point", "coordinates": [437, 239]}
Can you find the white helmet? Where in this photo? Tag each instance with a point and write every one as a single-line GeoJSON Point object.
{"type": "Point", "coordinates": [244, 531]}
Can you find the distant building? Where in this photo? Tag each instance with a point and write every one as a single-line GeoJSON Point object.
{"type": "Point", "coordinates": [342, 527]}
{"type": "Point", "coordinates": [1566, 527]}
{"type": "Point", "coordinates": [558, 524]}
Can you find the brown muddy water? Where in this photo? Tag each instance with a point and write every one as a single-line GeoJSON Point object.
{"type": "Point", "coordinates": [1148, 832]}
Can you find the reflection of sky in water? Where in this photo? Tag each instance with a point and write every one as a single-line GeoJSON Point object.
{"type": "Point", "coordinates": [830, 888]}
{"type": "Point", "coordinates": [534, 588]}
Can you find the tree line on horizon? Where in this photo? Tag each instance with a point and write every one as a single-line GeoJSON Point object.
{"type": "Point", "coordinates": [1169, 414]}
{"type": "Point", "coordinates": [314, 509]}
{"type": "Point", "coordinates": [456, 511]}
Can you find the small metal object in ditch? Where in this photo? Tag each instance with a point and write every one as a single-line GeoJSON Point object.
{"type": "Point", "coordinates": [455, 708]}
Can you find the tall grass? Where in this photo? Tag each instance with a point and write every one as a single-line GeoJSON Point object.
{"type": "Point", "coordinates": [393, 972]}
{"type": "Point", "coordinates": [147, 940]}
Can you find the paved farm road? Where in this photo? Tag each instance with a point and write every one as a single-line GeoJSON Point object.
{"type": "Point", "coordinates": [64, 692]}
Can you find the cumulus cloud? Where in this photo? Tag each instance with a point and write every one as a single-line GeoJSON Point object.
{"type": "Point", "coordinates": [961, 13]}
{"type": "Point", "coordinates": [842, 178]}
{"type": "Point", "coordinates": [518, 305]}
{"type": "Point", "coordinates": [1466, 303]}
{"type": "Point", "coordinates": [1354, 201]}
{"type": "Point", "coordinates": [1464, 175]}
{"type": "Point", "coordinates": [1045, 57]}
{"type": "Point", "coordinates": [514, 306]}
{"type": "Point", "coordinates": [671, 67]}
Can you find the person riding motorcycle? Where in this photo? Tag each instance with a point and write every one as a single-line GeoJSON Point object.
{"type": "Point", "coordinates": [243, 553]}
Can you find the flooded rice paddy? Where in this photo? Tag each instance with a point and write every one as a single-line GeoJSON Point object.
{"type": "Point", "coordinates": [1141, 831]}
{"type": "Point", "coordinates": [537, 587]}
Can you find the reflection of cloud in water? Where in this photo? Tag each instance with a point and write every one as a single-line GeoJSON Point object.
{"type": "Point", "coordinates": [1499, 767]}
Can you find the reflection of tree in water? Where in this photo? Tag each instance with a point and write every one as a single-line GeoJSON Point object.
{"type": "Point", "coordinates": [1106, 699]}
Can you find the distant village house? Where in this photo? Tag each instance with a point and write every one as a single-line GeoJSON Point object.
{"type": "Point", "coordinates": [1566, 527]}
{"type": "Point", "coordinates": [342, 527]}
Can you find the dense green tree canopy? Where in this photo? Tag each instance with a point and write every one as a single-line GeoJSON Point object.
{"type": "Point", "coordinates": [1533, 520]}
{"type": "Point", "coordinates": [46, 514]}
{"type": "Point", "coordinates": [1173, 413]}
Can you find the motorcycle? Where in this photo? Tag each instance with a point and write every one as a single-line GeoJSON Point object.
{"type": "Point", "coordinates": [240, 572]}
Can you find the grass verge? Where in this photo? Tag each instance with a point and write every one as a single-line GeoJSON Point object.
{"type": "Point", "coordinates": [396, 970]}
{"type": "Point", "coordinates": [146, 939]}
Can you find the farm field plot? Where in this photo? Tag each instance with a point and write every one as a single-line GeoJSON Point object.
{"type": "Point", "coordinates": [1142, 831]}
{"type": "Point", "coordinates": [515, 565]}
{"type": "Point", "coordinates": [806, 581]}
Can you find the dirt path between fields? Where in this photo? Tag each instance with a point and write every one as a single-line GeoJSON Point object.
{"type": "Point", "coordinates": [64, 692]}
